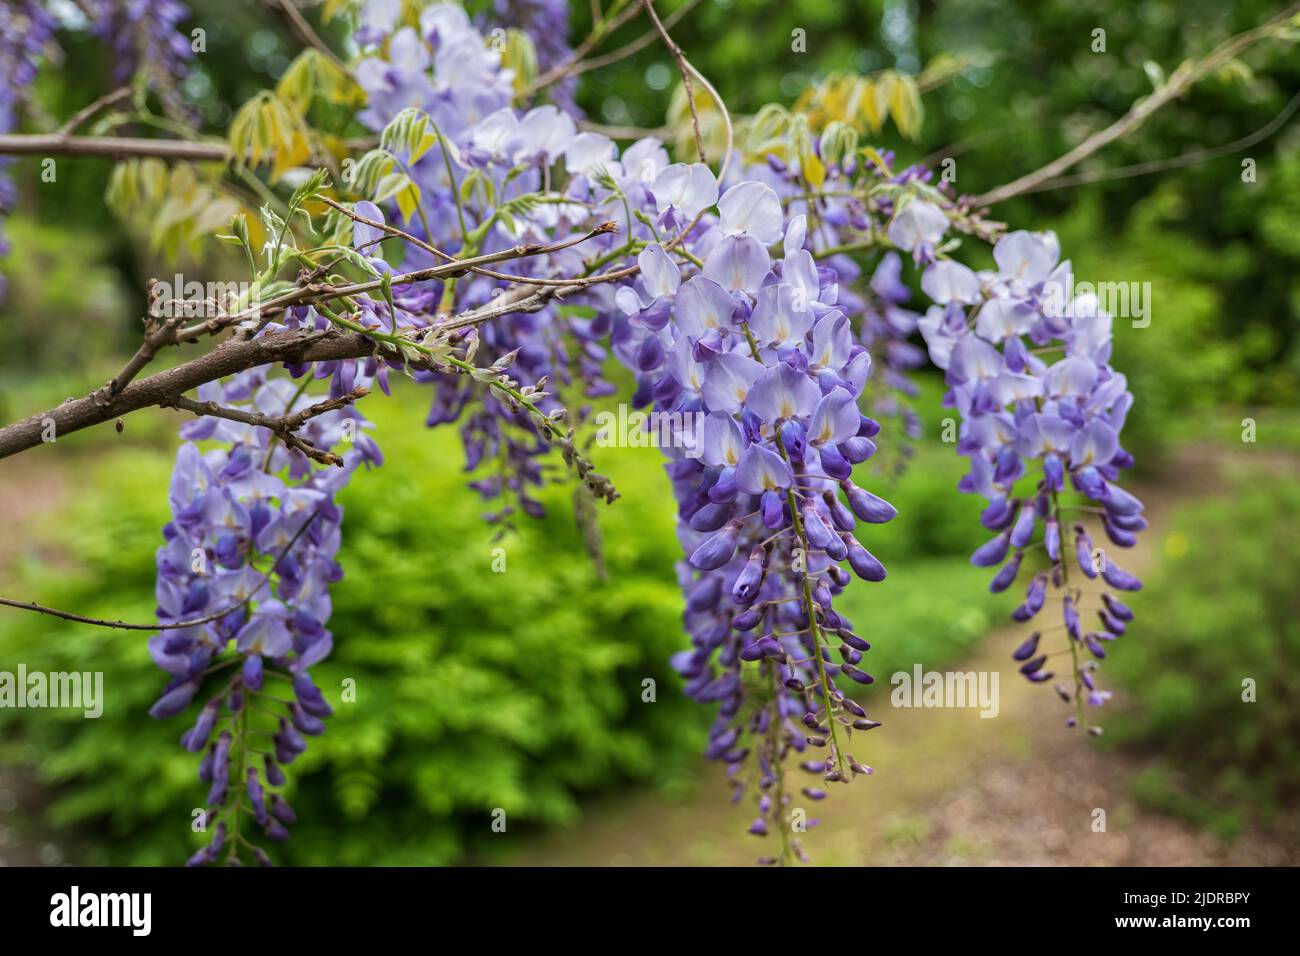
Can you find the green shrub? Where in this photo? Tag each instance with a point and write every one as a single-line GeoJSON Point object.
{"type": "Point", "coordinates": [475, 690]}
{"type": "Point", "coordinates": [1224, 609]}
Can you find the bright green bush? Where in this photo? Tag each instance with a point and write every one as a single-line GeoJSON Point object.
{"type": "Point", "coordinates": [1225, 608]}
{"type": "Point", "coordinates": [475, 690]}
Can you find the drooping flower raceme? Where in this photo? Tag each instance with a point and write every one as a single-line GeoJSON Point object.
{"type": "Point", "coordinates": [1029, 370]}
{"type": "Point", "coordinates": [25, 29]}
{"type": "Point", "coordinates": [144, 36]}
{"type": "Point", "coordinates": [248, 559]}
{"type": "Point", "coordinates": [455, 80]}
{"type": "Point", "coordinates": [760, 354]}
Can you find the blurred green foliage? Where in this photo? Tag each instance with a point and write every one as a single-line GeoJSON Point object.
{"type": "Point", "coordinates": [1224, 609]}
{"type": "Point", "coordinates": [475, 690]}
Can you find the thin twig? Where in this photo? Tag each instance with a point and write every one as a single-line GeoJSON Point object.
{"type": "Point", "coordinates": [434, 250]}
{"type": "Point", "coordinates": [305, 33]}
{"type": "Point", "coordinates": [1178, 83]}
{"type": "Point", "coordinates": [178, 625]}
{"type": "Point", "coordinates": [682, 68]}
{"type": "Point", "coordinates": [636, 46]}
{"type": "Point", "coordinates": [598, 32]}
{"type": "Point", "coordinates": [282, 426]}
{"type": "Point", "coordinates": [77, 119]}
{"type": "Point", "coordinates": [1175, 162]}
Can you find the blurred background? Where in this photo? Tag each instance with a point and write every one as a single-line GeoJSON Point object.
{"type": "Point", "coordinates": [473, 696]}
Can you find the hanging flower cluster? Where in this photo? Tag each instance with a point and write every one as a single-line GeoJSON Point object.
{"type": "Point", "coordinates": [1028, 368]}
{"type": "Point", "coordinates": [25, 29]}
{"type": "Point", "coordinates": [248, 559]}
{"type": "Point", "coordinates": [481, 192]}
{"type": "Point", "coordinates": [144, 36]}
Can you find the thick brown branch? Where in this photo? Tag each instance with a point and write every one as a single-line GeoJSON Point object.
{"type": "Point", "coordinates": [119, 147]}
{"type": "Point", "coordinates": [228, 358]}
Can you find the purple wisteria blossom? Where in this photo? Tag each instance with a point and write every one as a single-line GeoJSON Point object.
{"type": "Point", "coordinates": [1042, 410]}
{"type": "Point", "coordinates": [760, 350]}
{"type": "Point", "coordinates": [248, 560]}
{"type": "Point", "coordinates": [25, 29]}
{"type": "Point", "coordinates": [145, 36]}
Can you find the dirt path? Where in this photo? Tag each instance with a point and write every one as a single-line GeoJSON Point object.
{"type": "Point", "coordinates": [950, 787]}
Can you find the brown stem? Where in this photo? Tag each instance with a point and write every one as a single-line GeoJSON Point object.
{"type": "Point", "coordinates": [1178, 83]}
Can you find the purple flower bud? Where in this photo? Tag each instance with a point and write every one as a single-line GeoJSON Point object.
{"type": "Point", "coordinates": [1083, 550]}
{"type": "Point", "coordinates": [863, 562]}
{"type": "Point", "coordinates": [868, 507]}
{"type": "Point", "coordinates": [853, 640]}
{"type": "Point", "coordinates": [1023, 532]}
{"type": "Point", "coordinates": [853, 673]}
{"type": "Point", "coordinates": [1118, 501]}
{"type": "Point", "coordinates": [1026, 650]}
{"type": "Point", "coordinates": [857, 449]}
{"type": "Point", "coordinates": [998, 514]}
{"type": "Point", "coordinates": [718, 549]}
{"type": "Point", "coordinates": [1120, 579]}
{"type": "Point", "coordinates": [712, 516]}
{"type": "Point", "coordinates": [1034, 597]}
{"type": "Point", "coordinates": [175, 700]}
{"type": "Point", "coordinates": [991, 552]}
{"type": "Point", "coordinates": [305, 721]}
{"type": "Point", "coordinates": [763, 647]}
{"type": "Point", "coordinates": [1002, 580]}
{"type": "Point", "coordinates": [1052, 539]}
{"type": "Point", "coordinates": [1053, 472]}
{"type": "Point", "coordinates": [281, 810]}
{"type": "Point", "coordinates": [834, 463]}
{"type": "Point", "coordinates": [1089, 481]}
{"type": "Point", "coordinates": [819, 536]}
{"type": "Point", "coordinates": [256, 797]}
{"type": "Point", "coordinates": [1117, 608]}
{"type": "Point", "coordinates": [841, 516]}
{"type": "Point", "coordinates": [1071, 617]}
{"type": "Point", "coordinates": [253, 672]}
{"type": "Point", "coordinates": [794, 440]}
{"type": "Point", "coordinates": [1032, 665]}
{"type": "Point", "coordinates": [1125, 539]}
{"type": "Point", "coordinates": [773, 507]}
{"type": "Point", "coordinates": [196, 738]}
{"type": "Point", "coordinates": [274, 775]}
